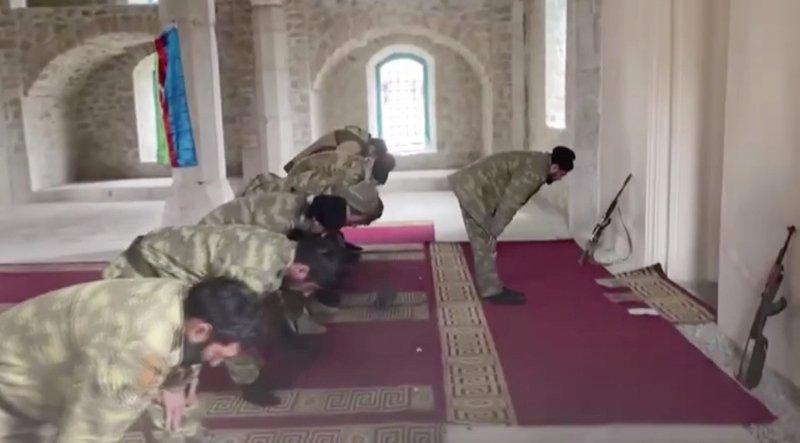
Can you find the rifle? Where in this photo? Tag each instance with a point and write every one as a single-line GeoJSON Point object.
{"type": "Point", "coordinates": [600, 227]}
{"type": "Point", "coordinates": [749, 374]}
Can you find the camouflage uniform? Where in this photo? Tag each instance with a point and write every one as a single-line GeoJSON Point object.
{"type": "Point", "coordinates": [88, 358]}
{"type": "Point", "coordinates": [317, 174]}
{"type": "Point", "coordinates": [350, 140]}
{"type": "Point", "coordinates": [279, 212]}
{"type": "Point", "coordinates": [253, 255]}
{"type": "Point", "coordinates": [490, 191]}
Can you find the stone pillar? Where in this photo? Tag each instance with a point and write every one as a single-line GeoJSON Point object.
{"type": "Point", "coordinates": [518, 74]}
{"type": "Point", "coordinates": [197, 190]}
{"type": "Point", "coordinates": [15, 184]}
{"type": "Point", "coordinates": [274, 115]}
{"type": "Point", "coordinates": [583, 79]}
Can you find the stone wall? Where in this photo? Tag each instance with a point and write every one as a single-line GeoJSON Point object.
{"type": "Point", "coordinates": [237, 80]}
{"type": "Point", "coordinates": [457, 101]}
{"type": "Point", "coordinates": [322, 32]}
{"type": "Point", "coordinates": [104, 124]}
{"type": "Point", "coordinates": [67, 97]}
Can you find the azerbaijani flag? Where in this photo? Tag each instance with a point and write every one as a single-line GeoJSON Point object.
{"type": "Point", "coordinates": [174, 127]}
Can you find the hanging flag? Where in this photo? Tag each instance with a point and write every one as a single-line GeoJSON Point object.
{"type": "Point", "coordinates": [162, 148]}
{"type": "Point", "coordinates": [174, 105]}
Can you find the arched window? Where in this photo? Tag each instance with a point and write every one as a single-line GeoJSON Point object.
{"type": "Point", "coordinates": [401, 95]}
{"type": "Point", "coordinates": [144, 96]}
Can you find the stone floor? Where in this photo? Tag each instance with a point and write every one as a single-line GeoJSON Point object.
{"type": "Point", "coordinates": [85, 231]}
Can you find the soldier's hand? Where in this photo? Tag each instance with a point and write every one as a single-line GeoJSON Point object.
{"type": "Point", "coordinates": [174, 408]}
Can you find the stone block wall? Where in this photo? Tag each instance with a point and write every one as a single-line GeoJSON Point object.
{"type": "Point", "coordinates": [322, 32]}
{"type": "Point", "coordinates": [237, 80]}
{"type": "Point", "coordinates": [104, 125]}
{"type": "Point", "coordinates": [67, 91]}
{"type": "Point", "coordinates": [457, 100]}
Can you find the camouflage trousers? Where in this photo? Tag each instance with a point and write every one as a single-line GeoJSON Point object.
{"type": "Point", "coordinates": [483, 251]}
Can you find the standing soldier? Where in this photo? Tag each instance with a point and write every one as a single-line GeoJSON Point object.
{"type": "Point", "coordinates": [90, 358]}
{"type": "Point", "coordinates": [490, 191]}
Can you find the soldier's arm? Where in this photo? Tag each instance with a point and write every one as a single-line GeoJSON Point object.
{"type": "Point", "coordinates": [523, 184]}
{"type": "Point", "coordinates": [110, 398]}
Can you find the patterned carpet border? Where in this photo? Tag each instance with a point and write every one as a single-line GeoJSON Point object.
{"type": "Point", "coordinates": [295, 402]}
{"type": "Point", "coordinates": [393, 256]}
{"type": "Point", "coordinates": [377, 433]}
{"type": "Point", "coordinates": [475, 386]}
{"type": "Point", "coordinates": [676, 304]}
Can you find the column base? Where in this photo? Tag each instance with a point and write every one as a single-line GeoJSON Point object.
{"type": "Point", "coordinates": [191, 199]}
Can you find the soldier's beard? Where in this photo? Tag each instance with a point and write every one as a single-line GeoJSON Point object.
{"type": "Point", "coordinates": [193, 353]}
{"type": "Point", "coordinates": [549, 179]}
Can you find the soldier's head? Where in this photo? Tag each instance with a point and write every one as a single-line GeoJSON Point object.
{"type": "Point", "coordinates": [561, 162]}
{"type": "Point", "coordinates": [363, 203]}
{"type": "Point", "coordinates": [376, 147]}
{"type": "Point", "coordinates": [384, 164]}
{"type": "Point", "coordinates": [356, 217]}
{"type": "Point", "coordinates": [318, 263]}
{"type": "Point", "coordinates": [220, 315]}
{"type": "Point", "coordinates": [329, 211]}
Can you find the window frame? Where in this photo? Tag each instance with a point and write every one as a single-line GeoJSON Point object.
{"type": "Point", "coordinates": [400, 52]}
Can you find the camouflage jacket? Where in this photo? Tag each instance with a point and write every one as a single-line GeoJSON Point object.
{"type": "Point", "coordinates": [348, 141]}
{"type": "Point", "coordinates": [251, 254]}
{"type": "Point", "coordinates": [89, 358]}
{"type": "Point", "coordinates": [322, 173]}
{"type": "Point", "coordinates": [279, 212]}
{"type": "Point", "coordinates": [494, 188]}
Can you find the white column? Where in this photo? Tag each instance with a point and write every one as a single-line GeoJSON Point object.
{"type": "Point", "coordinates": [197, 190]}
{"type": "Point", "coordinates": [275, 139]}
{"type": "Point", "coordinates": [518, 71]}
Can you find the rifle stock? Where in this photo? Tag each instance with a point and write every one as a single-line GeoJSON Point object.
{"type": "Point", "coordinates": [751, 367]}
{"type": "Point", "coordinates": [597, 232]}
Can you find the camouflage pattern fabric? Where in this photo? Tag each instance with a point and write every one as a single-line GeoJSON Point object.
{"type": "Point", "coordinates": [483, 252]}
{"type": "Point", "coordinates": [494, 188]}
{"type": "Point", "coordinates": [350, 141]}
{"type": "Point", "coordinates": [490, 191]}
{"type": "Point", "coordinates": [279, 212]}
{"type": "Point", "coordinates": [90, 358]}
{"type": "Point", "coordinates": [250, 254]}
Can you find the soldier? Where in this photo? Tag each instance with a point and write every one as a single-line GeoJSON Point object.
{"type": "Point", "coordinates": [90, 358]}
{"type": "Point", "coordinates": [321, 173]}
{"type": "Point", "coordinates": [490, 191]}
{"type": "Point", "coordinates": [263, 260]}
{"type": "Point", "coordinates": [349, 140]}
{"type": "Point", "coordinates": [296, 213]}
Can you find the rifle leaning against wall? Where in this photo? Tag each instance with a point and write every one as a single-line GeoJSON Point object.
{"type": "Point", "coordinates": [752, 365]}
{"type": "Point", "coordinates": [597, 232]}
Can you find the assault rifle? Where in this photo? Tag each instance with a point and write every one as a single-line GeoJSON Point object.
{"type": "Point", "coordinates": [752, 365]}
{"type": "Point", "coordinates": [597, 232]}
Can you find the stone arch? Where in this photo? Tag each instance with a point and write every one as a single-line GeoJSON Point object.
{"type": "Point", "coordinates": [96, 38]}
{"type": "Point", "coordinates": [48, 110]}
{"type": "Point", "coordinates": [487, 92]}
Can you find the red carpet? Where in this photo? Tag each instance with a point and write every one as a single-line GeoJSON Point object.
{"type": "Point", "coordinates": [572, 357]}
{"type": "Point", "coordinates": [364, 354]}
{"type": "Point", "coordinates": [569, 356]}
